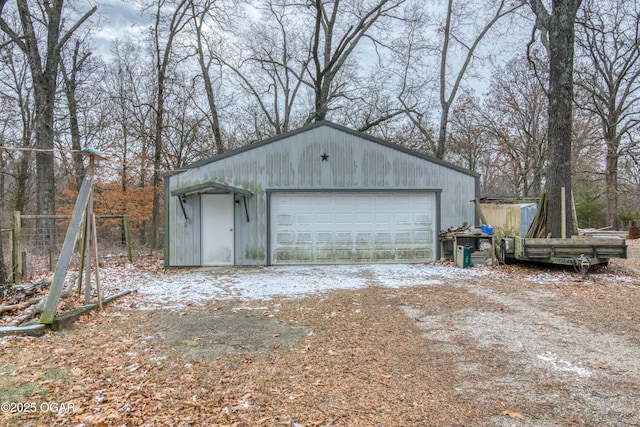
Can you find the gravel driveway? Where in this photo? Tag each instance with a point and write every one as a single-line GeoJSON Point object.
{"type": "Point", "coordinates": [427, 345]}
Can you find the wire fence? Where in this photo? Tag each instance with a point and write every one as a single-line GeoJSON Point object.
{"type": "Point", "coordinates": [5, 236]}
{"type": "Point", "coordinates": [40, 252]}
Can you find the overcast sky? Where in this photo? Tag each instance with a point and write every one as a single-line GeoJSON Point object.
{"type": "Point", "coordinates": [121, 19]}
{"type": "Point", "coordinates": [118, 19]}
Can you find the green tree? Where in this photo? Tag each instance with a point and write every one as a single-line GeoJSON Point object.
{"type": "Point", "coordinates": [589, 208]}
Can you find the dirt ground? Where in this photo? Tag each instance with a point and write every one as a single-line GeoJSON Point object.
{"type": "Point", "coordinates": [521, 346]}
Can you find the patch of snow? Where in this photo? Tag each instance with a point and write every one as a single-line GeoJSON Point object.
{"type": "Point", "coordinates": [550, 279]}
{"type": "Point", "coordinates": [563, 365]}
{"type": "Point", "coordinates": [180, 288]}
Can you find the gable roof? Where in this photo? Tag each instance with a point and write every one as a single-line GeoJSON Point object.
{"type": "Point", "coordinates": [314, 126]}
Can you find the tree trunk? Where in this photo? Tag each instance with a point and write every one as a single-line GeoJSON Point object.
{"type": "Point", "coordinates": [4, 282]}
{"type": "Point", "coordinates": [442, 134]}
{"type": "Point", "coordinates": [43, 66]}
{"type": "Point", "coordinates": [163, 59]}
{"type": "Point", "coordinates": [70, 85]}
{"type": "Point", "coordinates": [558, 172]}
{"type": "Point", "coordinates": [214, 118]}
{"type": "Point", "coordinates": [157, 163]}
{"type": "Point", "coordinates": [611, 179]}
{"type": "Point", "coordinates": [45, 177]}
{"type": "Point", "coordinates": [320, 111]}
{"type": "Point", "coordinates": [23, 172]}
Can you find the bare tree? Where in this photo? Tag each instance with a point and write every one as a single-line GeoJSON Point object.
{"type": "Point", "coordinates": [517, 118]}
{"type": "Point", "coordinates": [333, 44]}
{"type": "Point", "coordinates": [17, 127]}
{"type": "Point", "coordinates": [272, 70]}
{"type": "Point", "coordinates": [131, 96]}
{"type": "Point", "coordinates": [469, 138]}
{"type": "Point", "coordinates": [559, 26]}
{"type": "Point", "coordinates": [70, 80]}
{"type": "Point", "coordinates": [187, 131]}
{"type": "Point", "coordinates": [466, 26]}
{"type": "Point", "coordinates": [43, 54]}
{"type": "Point", "coordinates": [165, 32]}
{"type": "Point", "coordinates": [608, 43]}
{"type": "Point", "coordinates": [201, 15]}
{"type": "Point", "coordinates": [448, 90]}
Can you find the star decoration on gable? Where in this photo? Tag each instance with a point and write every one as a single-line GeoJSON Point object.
{"type": "Point", "coordinates": [325, 157]}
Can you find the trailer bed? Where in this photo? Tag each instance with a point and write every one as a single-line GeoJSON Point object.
{"type": "Point", "coordinates": [578, 251]}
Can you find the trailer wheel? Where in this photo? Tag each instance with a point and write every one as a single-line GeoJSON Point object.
{"type": "Point", "coordinates": [503, 253]}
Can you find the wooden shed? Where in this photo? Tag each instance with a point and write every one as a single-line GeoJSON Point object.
{"type": "Point", "coordinates": [322, 194]}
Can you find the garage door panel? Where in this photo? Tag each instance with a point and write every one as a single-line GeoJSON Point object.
{"type": "Point", "coordinates": [403, 237]}
{"type": "Point", "coordinates": [344, 238]}
{"type": "Point", "coordinates": [363, 255]}
{"type": "Point", "coordinates": [383, 219]}
{"type": "Point", "coordinates": [404, 219]}
{"type": "Point", "coordinates": [344, 218]}
{"type": "Point", "coordinates": [326, 238]}
{"type": "Point", "coordinates": [405, 254]}
{"type": "Point", "coordinates": [363, 218]}
{"type": "Point", "coordinates": [304, 219]}
{"type": "Point", "coordinates": [324, 219]}
{"type": "Point", "coordinates": [352, 227]}
{"type": "Point", "coordinates": [422, 237]}
{"type": "Point", "coordinates": [363, 238]}
{"type": "Point", "coordinates": [284, 219]}
{"type": "Point", "coordinates": [284, 238]}
{"type": "Point", "coordinates": [382, 239]}
{"type": "Point", "coordinates": [422, 218]}
{"type": "Point", "coordinates": [384, 255]}
{"type": "Point", "coordinates": [324, 255]}
{"type": "Point", "coordinates": [304, 238]}
{"type": "Point", "coordinates": [344, 255]}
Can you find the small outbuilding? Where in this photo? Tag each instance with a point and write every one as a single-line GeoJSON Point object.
{"type": "Point", "coordinates": [322, 194]}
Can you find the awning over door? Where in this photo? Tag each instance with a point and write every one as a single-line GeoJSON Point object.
{"type": "Point", "coordinates": [364, 227]}
{"type": "Point", "coordinates": [211, 187]}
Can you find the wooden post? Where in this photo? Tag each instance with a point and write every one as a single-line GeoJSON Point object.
{"type": "Point", "coordinates": [127, 237]}
{"type": "Point", "coordinates": [563, 213]}
{"type": "Point", "coordinates": [83, 248]}
{"type": "Point", "coordinates": [87, 258]}
{"type": "Point", "coordinates": [95, 252]}
{"type": "Point", "coordinates": [16, 249]}
{"type": "Point", "coordinates": [11, 276]}
{"type": "Point", "coordinates": [574, 214]}
{"type": "Point", "coordinates": [51, 304]}
{"type": "Point", "coordinates": [476, 203]}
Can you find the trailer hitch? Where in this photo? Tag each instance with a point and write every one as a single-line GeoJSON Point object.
{"type": "Point", "coordinates": [582, 264]}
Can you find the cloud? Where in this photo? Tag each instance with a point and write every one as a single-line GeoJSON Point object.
{"type": "Point", "coordinates": [118, 20]}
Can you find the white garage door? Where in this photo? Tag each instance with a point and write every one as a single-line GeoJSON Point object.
{"type": "Point", "coordinates": [352, 227]}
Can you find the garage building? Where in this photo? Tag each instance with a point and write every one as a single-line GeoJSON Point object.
{"type": "Point", "coordinates": [322, 194]}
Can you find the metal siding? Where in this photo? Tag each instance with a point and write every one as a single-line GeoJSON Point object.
{"type": "Point", "coordinates": [295, 162]}
{"type": "Point", "coordinates": [184, 235]}
{"type": "Point", "coordinates": [250, 241]}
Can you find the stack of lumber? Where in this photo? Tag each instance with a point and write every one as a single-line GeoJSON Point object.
{"type": "Point", "coordinates": [538, 227]}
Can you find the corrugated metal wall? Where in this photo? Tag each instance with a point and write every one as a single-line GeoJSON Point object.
{"type": "Point", "coordinates": [294, 161]}
{"type": "Point", "coordinates": [510, 219]}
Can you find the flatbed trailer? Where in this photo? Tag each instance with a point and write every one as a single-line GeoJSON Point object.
{"type": "Point", "coordinates": [578, 251]}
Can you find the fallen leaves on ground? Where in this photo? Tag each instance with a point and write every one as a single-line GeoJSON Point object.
{"type": "Point", "coordinates": [364, 362]}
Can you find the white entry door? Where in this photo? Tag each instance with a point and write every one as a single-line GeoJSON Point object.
{"type": "Point", "coordinates": [217, 229]}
